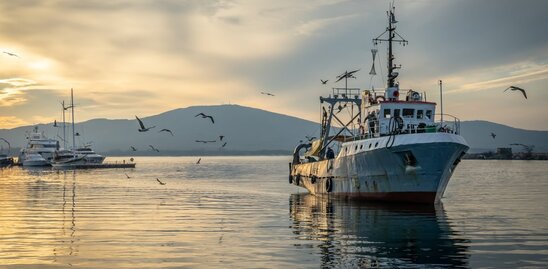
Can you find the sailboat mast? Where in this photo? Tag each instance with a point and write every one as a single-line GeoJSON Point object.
{"type": "Point", "coordinates": [72, 107]}
{"type": "Point", "coordinates": [64, 127]}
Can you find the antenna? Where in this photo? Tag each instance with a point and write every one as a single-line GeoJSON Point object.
{"type": "Point", "coordinates": [391, 30]}
{"type": "Point", "coordinates": [441, 102]}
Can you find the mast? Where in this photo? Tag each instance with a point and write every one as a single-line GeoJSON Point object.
{"type": "Point", "coordinates": [391, 30]}
{"type": "Point", "coordinates": [72, 107]}
{"type": "Point", "coordinates": [64, 127]}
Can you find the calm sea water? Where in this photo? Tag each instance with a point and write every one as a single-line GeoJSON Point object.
{"type": "Point", "coordinates": [240, 212]}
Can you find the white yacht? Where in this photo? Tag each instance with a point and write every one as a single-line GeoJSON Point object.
{"type": "Point", "coordinates": [39, 144]}
{"type": "Point", "coordinates": [31, 158]}
{"type": "Point", "coordinates": [89, 155]}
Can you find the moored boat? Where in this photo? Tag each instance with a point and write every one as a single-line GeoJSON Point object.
{"type": "Point", "coordinates": [38, 143]}
{"type": "Point", "coordinates": [396, 151]}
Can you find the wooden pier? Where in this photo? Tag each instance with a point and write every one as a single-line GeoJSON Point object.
{"type": "Point", "coordinates": [98, 166]}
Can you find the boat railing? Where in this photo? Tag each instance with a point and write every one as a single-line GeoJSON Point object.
{"type": "Point", "coordinates": [346, 92]}
{"type": "Point", "coordinates": [447, 123]}
{"type": "Point", "coordinates": [450, 124]}
{"type": "Point", "coordinates": [404, 94]}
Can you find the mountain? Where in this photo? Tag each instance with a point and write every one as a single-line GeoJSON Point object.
{"type": "Point", "coordinates": [478, 135]}
{"type": "Point", "coordinates": [246, 131]}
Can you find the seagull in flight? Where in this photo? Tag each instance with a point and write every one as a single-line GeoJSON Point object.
{"type": "Point", "coordinates": [347, 74]}
{"type": "Point", "coordinates": [224, 144]}
{"type": "Point", "coordinates": [514, 88]}
{"type": "Point", "coordinates": [324, 81]}
{"type": "Point", "coordinates": [153, 148]}
{"type": "Point", "coordinates": [205, 116]}
{"type": "Point", "coordinates": [493, 135]}
{"type": "Point", "coordinates": [166, 130]}
{"type": "Point", "coordinates": [142, 126]}
{"type": "Point", "coordinates": [133, 148]}
{"type": "Point", "coordinates": [267, 93]}
{"type": "Point", "coordinates": [310, 138]}
{"type": "Point", "coordinates": [161, 183]}
{"type": "Point", "coordinates": [198, 162]}
{"type": "Point", "coordinates": [11, 54]}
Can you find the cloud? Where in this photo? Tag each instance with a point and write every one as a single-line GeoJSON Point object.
{"type": "Point", "coordinates": [501, 77]}
{"type": "Point", "coordinates": [7, 122]}
{"type": "Point", "coordinates": [129, 56]}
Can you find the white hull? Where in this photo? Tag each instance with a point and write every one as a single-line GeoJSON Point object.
{"type": "Point", "coordinates": [376, 168]}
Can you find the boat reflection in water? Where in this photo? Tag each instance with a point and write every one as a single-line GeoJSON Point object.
{"type": "Point", "coordinates": [352, 234]}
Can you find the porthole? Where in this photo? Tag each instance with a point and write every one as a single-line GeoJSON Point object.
{"type": "Point", "coordinates": [361, 146]}
{"type": "Point", "coordinates": [369, 145]}
{"type": "Point", "coordinates": [376, 144]}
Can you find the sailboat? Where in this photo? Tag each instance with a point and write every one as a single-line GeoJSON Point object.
{"type": "Point", "coordinates": [391, 149]}
{"type": "Point", "coordinates": [76, 156]}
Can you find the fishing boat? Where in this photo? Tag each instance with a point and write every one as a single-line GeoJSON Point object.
{"type": "Point", "coordinates": [394, 147]}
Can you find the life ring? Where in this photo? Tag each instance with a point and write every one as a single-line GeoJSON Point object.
{"type": "Point", "coordinates": [328, 185]}
{"type": "Point", "coordinates": [379, 97]}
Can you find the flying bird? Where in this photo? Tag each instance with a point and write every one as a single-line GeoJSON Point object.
{"type": "Point", "coordinates": [514, 88]}
{"type": "Point", "coordinates": [199, 160]}
{"type": "Point", "coordinates": [310, 138]}
{"type": "Point", "coordinates": [324, 81]}
{"type": "Point", "coordinates": [267, 93]}
{"type": "Point", "coordinates": [205, 116]}
{"type": "Point", "coordinates": [153, 148]}
{"type": "Point", "coordinates": [166, 130]}
{"type": "Point", "coordinates": [346, 74]}
{"type": "Point", "coordinates": [493, 135]}
{"type": "Point", "coordinates": [224, 144]}
{"type": "Point", "coordinates": [161, 183]}
{"type": "Point", "coordinates": [127, 176]}
{"type": "Point", "coordinates": [142, 126]}
{"type": "Point", "coordinates": [133, 148]}
{"type": "Point", "coordinates": [221, 137]}
{"type": "Point", "coordinates": [11, 54]}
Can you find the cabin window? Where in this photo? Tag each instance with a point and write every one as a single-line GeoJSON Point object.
{"type": "Point", "coordinates": [420, 114]}
{"type": "Point", "coordinates": [396, 113]}
{"type": "Point", "coordinates": [386, 113]}
{"type": "Point", "coordinates": [429, 114]}
{"type": "Point", "coordinates": [408, 112]}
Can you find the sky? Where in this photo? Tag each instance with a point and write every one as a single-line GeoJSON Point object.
{"type": "Point", "coordinates": [137, 57]}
